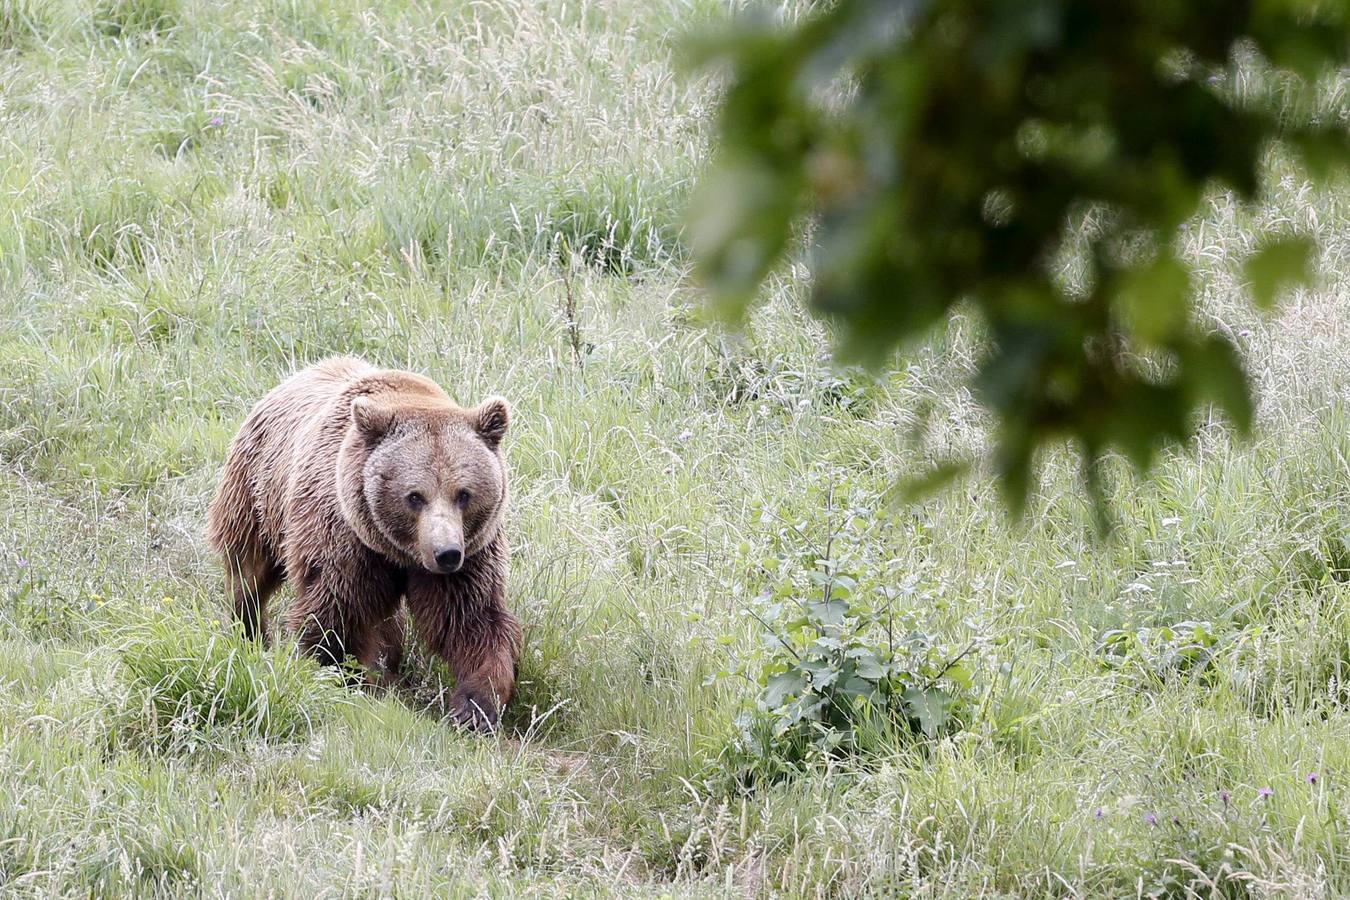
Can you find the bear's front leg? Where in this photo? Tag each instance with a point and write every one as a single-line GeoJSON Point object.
{"type": "Point", "coordinates": [463, 618]}
{"type": "Point", "coordinates": [381, 652]}
{"type": "Point", "coordinates": [347, 607]}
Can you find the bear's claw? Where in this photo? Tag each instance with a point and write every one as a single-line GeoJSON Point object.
{"type": "Point", "coordinates": [475, 712]}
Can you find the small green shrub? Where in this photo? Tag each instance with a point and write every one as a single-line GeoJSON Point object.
{"type": "Point", "coordinates": [177, 140]}
{"type": "Point", "coordinates": [1328, 561]}
{"type": "Point", "coordinates": [845, 671]}
{"type": "Point", "coordinates": [613, 225]}
{"type": "Point", "coordinates": [190, 685]}
{"type": "Point", "coordinates": [1298, 660]}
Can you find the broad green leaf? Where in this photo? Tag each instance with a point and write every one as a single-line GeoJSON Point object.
{"type": "Point", "coordinates": [854, 686]}
{"type": "Point", "coordinates": [929, 482]}
{"type": "Point", "coordinates": [1156, 300]}
{"type": "Point", "coordinates": [960, 675]}
{"type": "Point", "coordinates": [929, 707]}
{"type": "Point", "coordinates": [781, 687]}
{"type": "Point", "coordinates": [1217, 376]}
{"type": "Point", "coordinates": [1280, 264]}
{"type": "Point", "coordinates": [868, 666]}
{"type": "Point", "coordinates": [830, 613]}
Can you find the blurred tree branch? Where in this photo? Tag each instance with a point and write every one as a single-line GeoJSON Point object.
{"type": "Point", "coordinates": [950, 150]}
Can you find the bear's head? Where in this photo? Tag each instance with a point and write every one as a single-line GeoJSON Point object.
{"type": "Point", "coordinates": [422, 480]}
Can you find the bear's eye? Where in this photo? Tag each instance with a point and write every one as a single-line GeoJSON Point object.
{"type": "Point", "coordinates": [462, 498]}
{"type": "Point", "coordinates": [416, 500]}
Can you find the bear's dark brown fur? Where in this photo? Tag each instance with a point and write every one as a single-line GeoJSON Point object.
{"type": "Point", "coordinates": [364, 486]}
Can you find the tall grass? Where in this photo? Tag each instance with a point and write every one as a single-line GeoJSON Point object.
{"type": "Point", "coordinates": [198, 197]}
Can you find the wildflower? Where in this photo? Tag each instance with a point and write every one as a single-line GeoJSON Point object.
{"type": "Point", "coordinates": [1099, 814]}
{"type": "Point", "coordinates": [1151, 819]}
{"type": "Point", "coordinates": [168, 600]}
{"type": "Point", "coordinates": [1225, 797]}
{"type": "Point", "coordinates": [1265, 793]}
{"type": "Point", "coordinates": [23, 562]}
{"type": "Point", "coordinates": [1312, 778]}
{"type": "Point", "coordinates": [216, 122]}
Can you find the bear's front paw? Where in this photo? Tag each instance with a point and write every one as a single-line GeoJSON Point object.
{"type": "Point", "coordinates": [473, 710]}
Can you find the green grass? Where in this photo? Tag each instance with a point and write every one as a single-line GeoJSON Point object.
{"type": "Point", "coordinates": [197, 198]}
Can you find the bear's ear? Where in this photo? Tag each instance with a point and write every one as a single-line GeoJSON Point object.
{"type": "Point", "coordinates": [374, 419]}
{"type": "Point", "coordinates": [491, 419]}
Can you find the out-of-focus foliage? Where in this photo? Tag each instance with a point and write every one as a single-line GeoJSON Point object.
{"type": "Point", "coordinates": [1031, 157]}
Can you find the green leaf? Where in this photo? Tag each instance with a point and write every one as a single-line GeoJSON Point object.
{"type": "Point", "coordinates": [1216, 375]}
{"type": "Point", "coordinates": [868, 666]}
{"type": "Point", "coordinates": [781, 687]}
{"type": "Point", "coordinates": [825, 644]}
{"type": "Point", "coordinates": [1278, 265]}
{"type": "Point", "coordinates": [1156, 300]}
{"type": "Point", "coordinates": [857, 687]}
{"type": "Point", "coordinates": [830, 613]}
{"type": "Point", "coordinates": [960, 675]}
{"type": "Point", "coordinates": [929, 707]}
{"type": "Point", "coordinates": [929, 482]}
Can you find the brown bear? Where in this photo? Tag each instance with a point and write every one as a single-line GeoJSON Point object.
{"type": "Point", "coordinates": [363, 487]}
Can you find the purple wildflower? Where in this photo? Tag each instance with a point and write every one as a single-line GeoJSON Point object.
{"type": "Point", "coordinates": [1265, 793]}
{"type": "Point", "coordinates": [1099, 814]}
{"type": "Point", "coordinates": [216, 121]}
{"type": "Point", "coordinates": [1312, 778]}
{"type": "Point", "coordinates": [1151, 819]}
{"type": "Point", "coordinates": [23, 563]}
{"type": "Point", "coordinates": [1225, 797]}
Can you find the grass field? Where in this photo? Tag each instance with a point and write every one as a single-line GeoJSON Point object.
{"type": "Point", "coordinates": [196, 198]}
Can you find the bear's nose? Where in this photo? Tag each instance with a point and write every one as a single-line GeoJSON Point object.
{"type": "Point", "coordinates": [449, 558]}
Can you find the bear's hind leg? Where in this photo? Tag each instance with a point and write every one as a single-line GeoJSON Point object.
{"type": "Point", "coordinates": [321, 636]}
{"type": "Point", "coordinates": [252, 577]}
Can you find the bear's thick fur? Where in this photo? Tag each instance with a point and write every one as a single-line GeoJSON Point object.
{"type": "Point", "coordinates": [365, 486]}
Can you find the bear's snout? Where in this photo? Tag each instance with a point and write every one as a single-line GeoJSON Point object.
{"type": "Point", "coordinates": [440, 543]}
{"type": "Point", "coordinates": [449, 559]}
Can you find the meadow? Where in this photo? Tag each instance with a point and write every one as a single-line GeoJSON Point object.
{"type": "Point", "coordinates": [197, 198]}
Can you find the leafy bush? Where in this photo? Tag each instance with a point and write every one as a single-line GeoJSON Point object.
{"type": "Point", "coordinates": [114, 222]}
{"type": "Point", "coordinates": [970, 151]}
{"type": "Point", "coordinates": [844, 670]}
